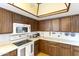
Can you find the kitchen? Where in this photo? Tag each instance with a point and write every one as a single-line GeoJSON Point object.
{"type": "Point", "coordinates": [40, 29]}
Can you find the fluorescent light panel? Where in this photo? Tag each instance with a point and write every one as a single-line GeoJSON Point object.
{"type": "Point", "coordinates": [43, 9]}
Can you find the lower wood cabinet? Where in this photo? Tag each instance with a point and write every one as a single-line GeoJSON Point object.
{"type": "Point", "coordinates": [64, 49]}
{"type": "Point", "coordinates": [36, 47]}
{"type": "Point", "coordinates": [55, 49]}
{"type": "Point", "coordinates": [48, 47]}
{"type": "Point", "coordinates": [12, 53]}
{"type": "Point", "coordinates": [75, 50]}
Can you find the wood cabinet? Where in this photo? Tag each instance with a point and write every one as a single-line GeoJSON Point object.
{"type": "Point", "coordinates": [6, 25]}
{"type": "Point", "coordinates": [12, 53]}
{"type": "Point", "coordinates": [43, 46]}
{"type": "Point", "coordinates": [55, 48]}
{"type": "Point", "coordinates": [34, 25]}
{"type": "Point", "coordinates": [25, 20]}
{"type": "Point", "coordinates": [64, 49]}
{"type": "Point", "coordinates": [55, 25]}
{"type": "Point", "coordinates": [49, 47]}
{"type": "Point", "coordinates": [7, 19]}
{"type": "Point", "coordinates": [65, 24]}
{"type": "Point", "coordinates": [44, 25]}
{"type": "Point", "coordinates": [36, 47]}
{"type": "Point", "coordinates": [75, 50]}
{"type": "Point", "coordinates": [75, 23]}
{"type": "Point", "coordinates": [17, 16]}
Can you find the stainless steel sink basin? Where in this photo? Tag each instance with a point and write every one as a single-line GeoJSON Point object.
{"type": "Point", "coordinates": [22, 42]}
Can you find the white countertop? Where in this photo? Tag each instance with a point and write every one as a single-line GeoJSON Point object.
{"type": "Point", "coordinates": [5, 48]}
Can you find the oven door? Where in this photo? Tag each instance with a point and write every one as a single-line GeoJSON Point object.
{"type": "Point", "coordinates": [27, 50]}
{"type": "Point", "coordinates": [21, 51]}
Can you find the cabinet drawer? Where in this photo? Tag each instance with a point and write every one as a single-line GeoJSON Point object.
{"type": "Point", "coordinates": [48, 42]}
{"type": "Point", "coordinates": [52, 43]}
{"type": "Point", "coordinates": [76, 48]}
{"type": "Point", "coordinates": [64, 45]}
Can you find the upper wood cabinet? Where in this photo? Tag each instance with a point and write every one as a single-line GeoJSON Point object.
{"type": "Point", "coordinates": [75, 23]}
{"type": "Point", "coordinates": [44, 25]}
{"type": "Point", "coordinates": [55, 25]}
{"type": "Point", "coordinates": [34, 25]}
{"type": "Point", "coordinates": [17, 18]}
{"type": "Point", "coordinates": [65, 24]}
{"type": "Point", "coordinates": [6, 25]}
{"type": "Point", "coordinates": [25, 20]}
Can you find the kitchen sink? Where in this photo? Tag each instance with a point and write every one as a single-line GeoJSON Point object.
{"type": "Point", "coordinates": [22, 42]}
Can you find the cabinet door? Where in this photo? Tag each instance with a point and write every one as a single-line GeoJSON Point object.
{"type": "Point", "coordinates": [43, 46]}
{"type": "Point", "coordinates": [55, 25]}
{"type": "Point", "coordinates": [75, 23]}
{"type": "Point", "coordinates": [44, 25]}
{"type": "Point", "coordinates": [36, 47]}
{"type": "Point", "coordinates": [53, 50]}
{"type": "Point", "coordinates": [48, 48]}
{"type": "Point", "coordinates": [65, 24]}
{"type": "Point", "coordinates": [64, 49]}
{"type": "Point", "coordinates": [75, 50]}
{"type": "Point", "coordinates": [17, 16]}
{"type": "Point", "coordinates": [6, 25]}
{"type": "Point", "coordinates": [76, 53]}
{"type": "Point", "coordinates": [34, 25]}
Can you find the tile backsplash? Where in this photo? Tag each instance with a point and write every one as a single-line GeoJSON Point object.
{"type": "Point", "coordinates": [60, 35]}
{"type": "Point", "coordinates": [4, 37]}
{"type": "Point", "coordinates": [10, 37]}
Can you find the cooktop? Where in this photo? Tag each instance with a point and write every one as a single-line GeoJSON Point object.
{"type": "Point", "coordinates": [22, 42]}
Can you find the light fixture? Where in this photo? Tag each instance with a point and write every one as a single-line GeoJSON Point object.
{"type": "Point", "coordinates": [43, 9]}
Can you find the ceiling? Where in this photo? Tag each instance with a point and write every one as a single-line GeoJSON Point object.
{"type": "Point", "coordinates": [72, 11]}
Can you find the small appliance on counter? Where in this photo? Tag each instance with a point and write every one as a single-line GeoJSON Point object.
{"type": "Point", "coordinates": [36, 35]}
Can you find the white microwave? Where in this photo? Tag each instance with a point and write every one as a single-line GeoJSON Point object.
{"type": "Point", "coordinates": [21, 28]}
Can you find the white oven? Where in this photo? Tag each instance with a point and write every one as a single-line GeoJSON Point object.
{"type": "Point", "coordinates": [21, 28]}
{"type": "Point", "coordinates": [27, 50]}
